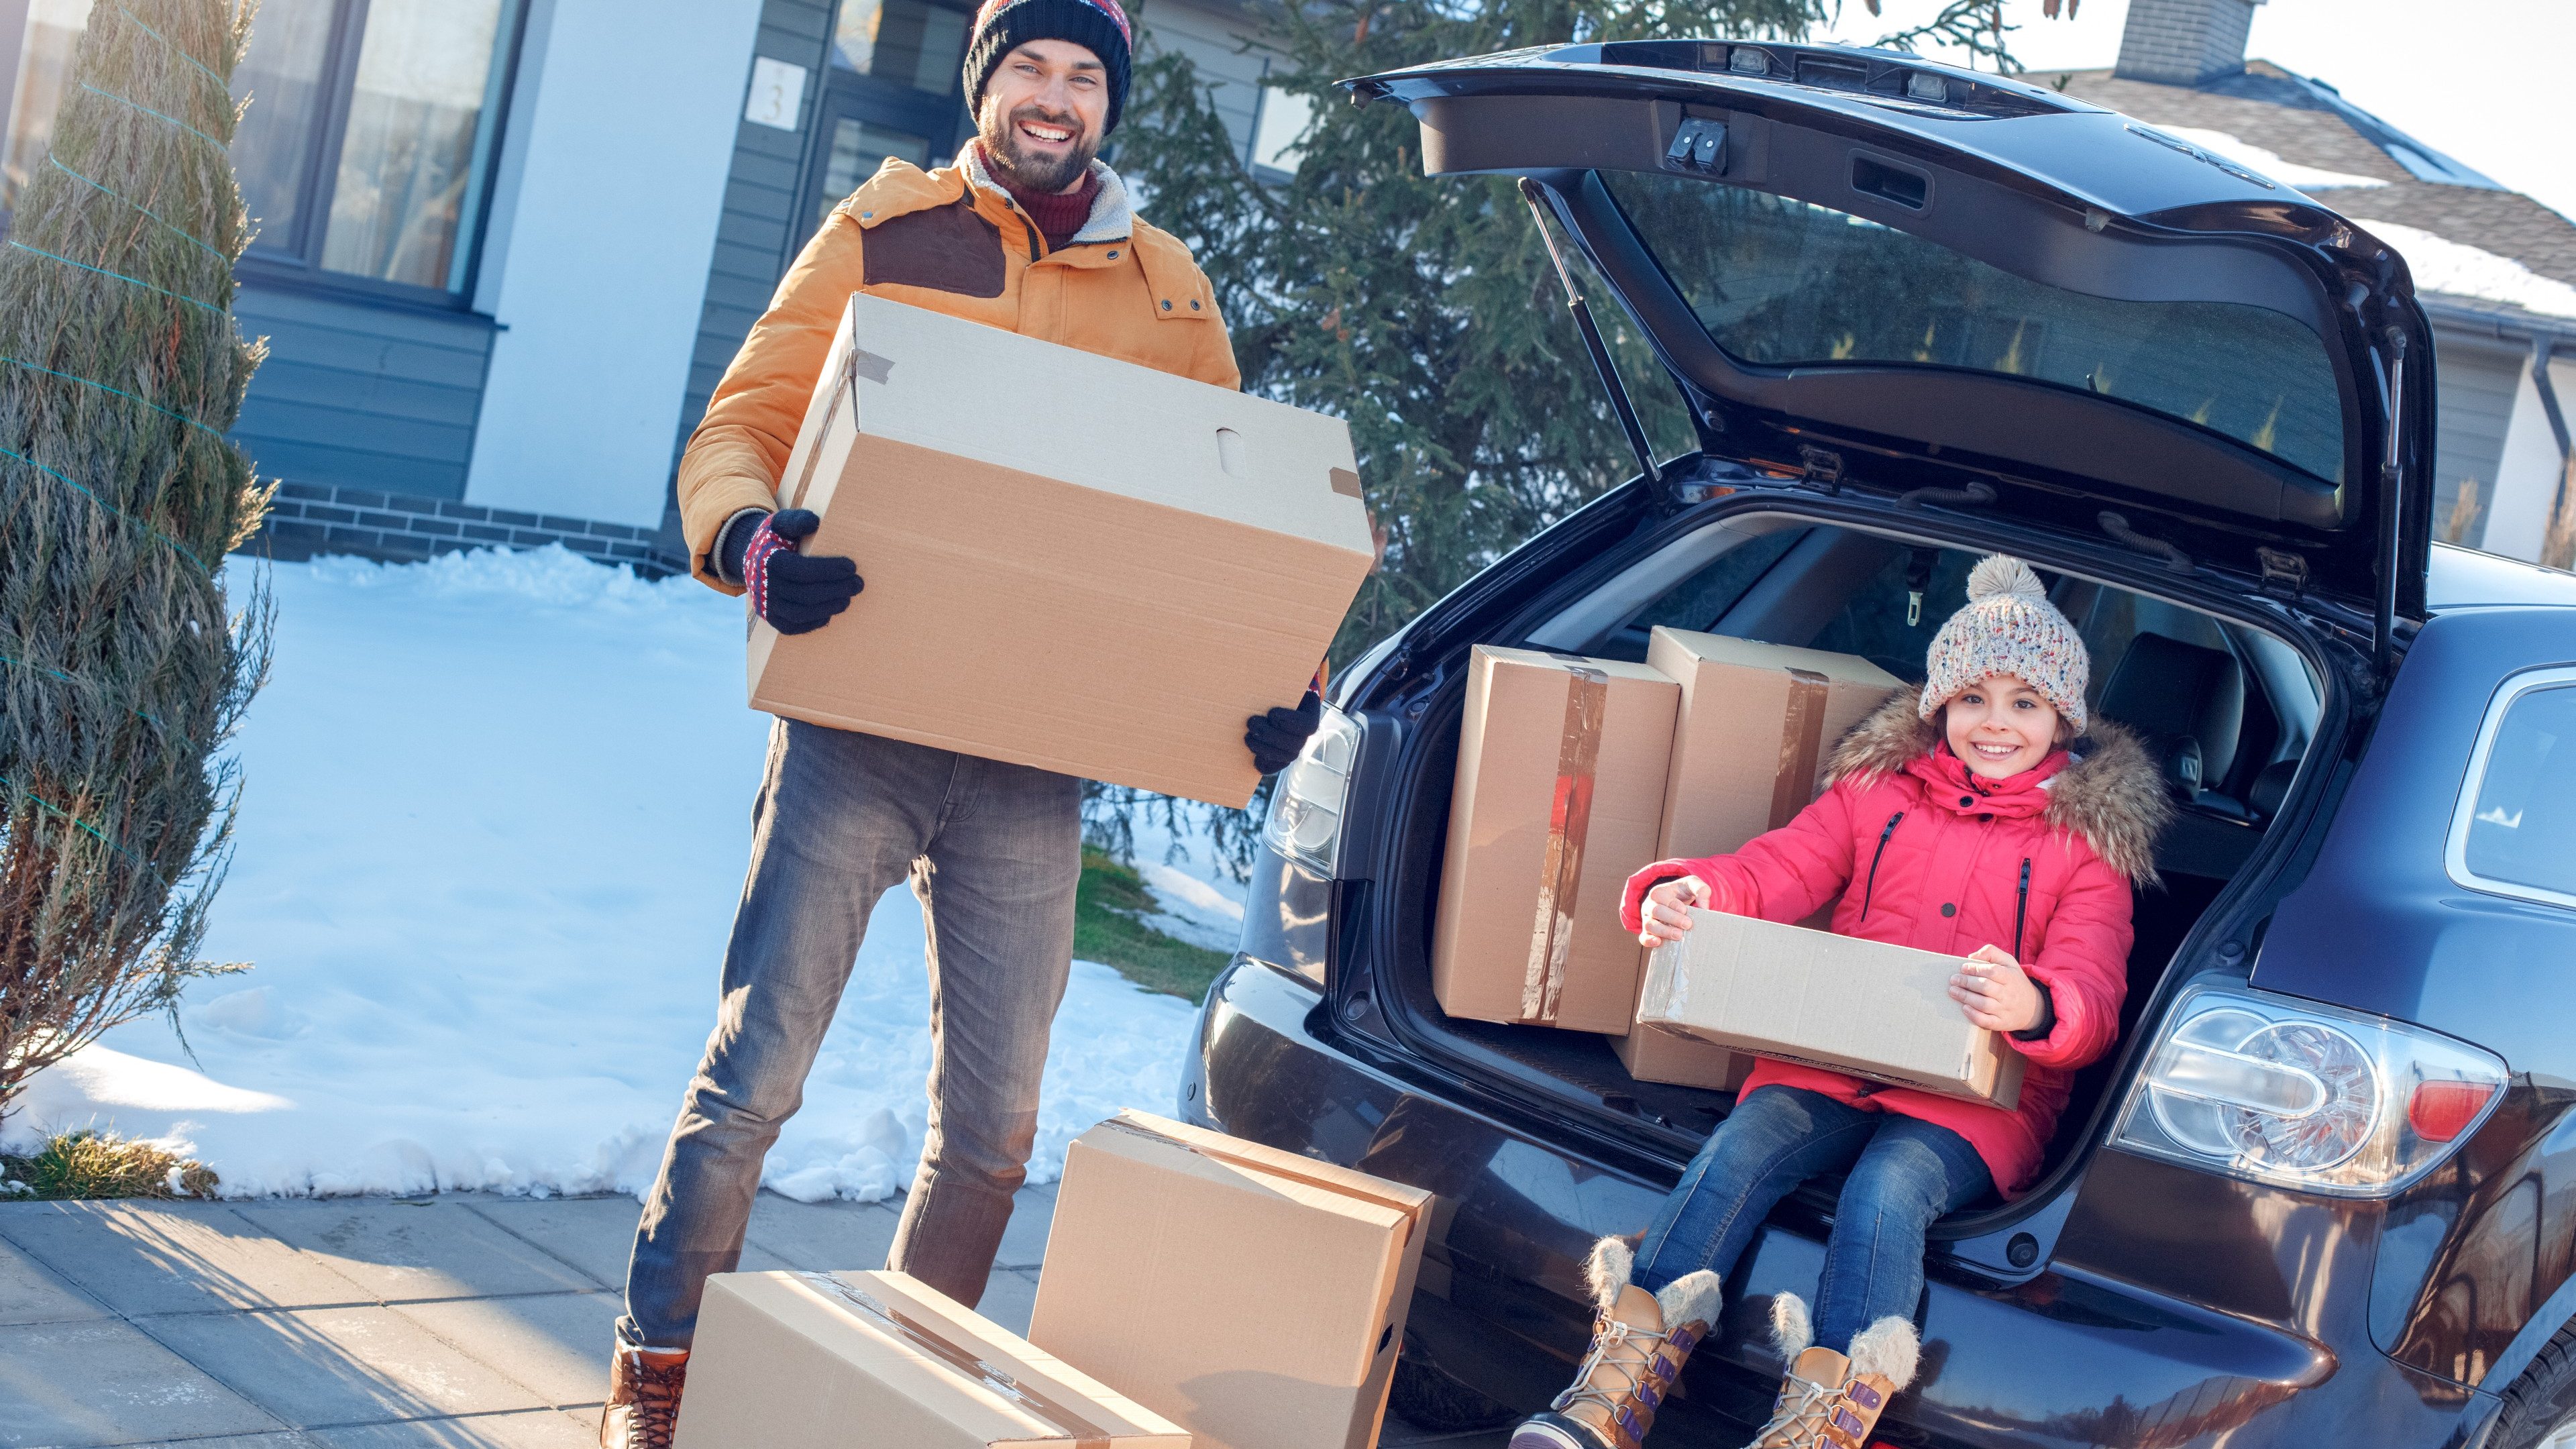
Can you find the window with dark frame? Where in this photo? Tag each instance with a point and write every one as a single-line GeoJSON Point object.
{"type": "Point", "coordinates": [365, 152]}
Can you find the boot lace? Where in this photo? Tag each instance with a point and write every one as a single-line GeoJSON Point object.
{"type": "Point", "coordinates": [1799, 1422]}
{"type": "Point", "coordinates": [654, 1415]}
{"type": "Point", "coordinates": [1627, 1352]}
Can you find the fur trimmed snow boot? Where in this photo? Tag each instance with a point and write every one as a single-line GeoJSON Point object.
{"type": "Point", "coordinates": [1640, 1341]}
{"type": "Point", "coordinates": [1828, 1400]}
{"type": "Point", "coordinates": [643, 1397]}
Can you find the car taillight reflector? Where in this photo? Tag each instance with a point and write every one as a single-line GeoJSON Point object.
{"type": "Point", "coordinates": [2440, 1111]}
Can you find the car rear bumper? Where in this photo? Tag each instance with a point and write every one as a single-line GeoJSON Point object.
{"type": "Point", "coordinates": [2068, 1357]}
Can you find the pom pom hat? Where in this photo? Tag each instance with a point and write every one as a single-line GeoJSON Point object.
{"type": "Point", "coordinates": [2009, 627]}
{"type": "Point", "coordinates": [1098, 26]}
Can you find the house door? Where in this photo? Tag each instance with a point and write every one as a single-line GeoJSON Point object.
{"type": "Point", "coordinates": [891, 89]}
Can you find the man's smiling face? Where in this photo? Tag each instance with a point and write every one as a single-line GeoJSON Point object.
{"type": "Point", "coordinates": [1044, 113]}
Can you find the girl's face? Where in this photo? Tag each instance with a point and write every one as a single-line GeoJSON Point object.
{"type": "Point", "coordinates": [2000, 727]}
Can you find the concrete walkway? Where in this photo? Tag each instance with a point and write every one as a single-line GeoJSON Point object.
{"type": "Point", "coordinates": [372, 1323]}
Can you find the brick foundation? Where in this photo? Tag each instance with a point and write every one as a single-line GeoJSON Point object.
{"type": "Point", "coordinates": [308, 519]}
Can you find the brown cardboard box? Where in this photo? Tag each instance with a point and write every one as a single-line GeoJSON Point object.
{"type": "Point", "coordinates": [1758, 723]}
{"type": "Point", "coordinates": [1253, 1296]}
{"type": "Point", "coordinates": [883, 1361]}
{"type": "Point", "coordinates": [1072, 562]}
{"type": "Point", "coordinates": [1864, 1007]}
{"type": "Point", "coordinates": [1560, 788]}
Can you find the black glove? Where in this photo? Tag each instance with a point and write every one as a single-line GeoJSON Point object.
{"type": "Point", "coordinates": [1276, 737]}
{"type": "Point", "coordinates": [795, 594]}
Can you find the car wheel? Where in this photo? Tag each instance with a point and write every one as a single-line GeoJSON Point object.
{"type": "Point", "coordinates": [1428, 1397]}
{"type": "Point", "coordinates": [2540, 1408]}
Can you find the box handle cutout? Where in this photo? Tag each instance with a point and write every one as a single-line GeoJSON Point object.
{"type": "Point", "coordinates": [1229, 451]}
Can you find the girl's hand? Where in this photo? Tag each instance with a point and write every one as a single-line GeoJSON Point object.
{"type": "Point", "coordinates": [1995, 992]}
{"type": "Point", "coordinates": [1667, 909]}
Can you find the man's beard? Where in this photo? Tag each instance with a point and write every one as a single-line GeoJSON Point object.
{"type": "Point", "coordinates": [1046, 174]}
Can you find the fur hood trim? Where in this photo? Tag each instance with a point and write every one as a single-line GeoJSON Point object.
{"type": "Point", "coordinates": [2111, 796]}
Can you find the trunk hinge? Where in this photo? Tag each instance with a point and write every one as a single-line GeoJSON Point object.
{"type": "Point", "coordinates": [2285, 574]}
{"type": "Point", "coordinates": [1823, 466]}
{"type": "Point", "coordinates": [1620, 402]}
{"type": "Point", "coordinates": [2383, 624]}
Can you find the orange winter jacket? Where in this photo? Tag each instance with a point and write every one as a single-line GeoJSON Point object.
{"type": "Point", "coordinates": [951, 240]}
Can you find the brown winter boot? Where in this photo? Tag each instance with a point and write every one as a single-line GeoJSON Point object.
{"type": "Point", "coordinates": [643, 1397]}
{"type": "Point", "coordinates": [1640, 1341]}
{"type": "Point", "coordinates": [1828, 1401]}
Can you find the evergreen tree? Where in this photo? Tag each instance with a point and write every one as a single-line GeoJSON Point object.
{"type": "Point", "coordinates": [120, 670]}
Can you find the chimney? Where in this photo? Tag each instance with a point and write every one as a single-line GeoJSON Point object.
{"type": "Point", "coordinates": [2184, 42]}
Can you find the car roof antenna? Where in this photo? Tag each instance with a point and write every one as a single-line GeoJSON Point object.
{"type": "Point", "coordinates": [1600, 350]}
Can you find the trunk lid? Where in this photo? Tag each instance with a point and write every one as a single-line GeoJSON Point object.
{"type": "Point", "coordinates": [1883, 273]}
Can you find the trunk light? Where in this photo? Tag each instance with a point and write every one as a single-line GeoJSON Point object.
{"type": "Point", "coordinates": [2441, 1111]}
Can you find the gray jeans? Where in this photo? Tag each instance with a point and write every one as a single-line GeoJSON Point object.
{"type": "Point", "coordinates": [994, 852]}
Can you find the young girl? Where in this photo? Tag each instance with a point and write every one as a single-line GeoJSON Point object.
{"type": "Point", "coordinates": [1976, 818]}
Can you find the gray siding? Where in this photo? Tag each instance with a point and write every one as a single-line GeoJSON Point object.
{"type": "Point", "coordinates": [1215, 38]}
{"type": "Point", "coordinates": [760, 231]}
{"type": "Point", "coordinates": [360, 394]}
{"type": "Point", "coordinates": [2475, 387]}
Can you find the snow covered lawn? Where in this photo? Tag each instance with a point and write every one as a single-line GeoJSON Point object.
{"type": "Point", "coordinates": [496, 820]}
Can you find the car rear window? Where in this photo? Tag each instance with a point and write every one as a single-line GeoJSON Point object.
{"type": "Point", "coordinates": [1789, 283]}
{"type": "Point", "coordinates": [2520, 833]}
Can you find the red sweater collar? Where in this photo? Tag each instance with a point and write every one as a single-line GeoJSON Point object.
{"type": "Point", "coordinates": [1953, 785]}
{"type": "Point", "coordinates": [1056, 216]}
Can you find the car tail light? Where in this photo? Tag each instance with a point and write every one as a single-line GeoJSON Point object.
{"type": "Point", "coordinates": [1305, 822]}
{"type": "Point", "coordinates": [2304, 1095]}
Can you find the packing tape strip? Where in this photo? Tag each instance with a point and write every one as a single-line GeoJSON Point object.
{"type": "Point", "coordinates": [1802, 742]}
{"type": "Point", "coordinates": [1569, 820]}
{"type": "Point", "coordinates": [1069, 1423]}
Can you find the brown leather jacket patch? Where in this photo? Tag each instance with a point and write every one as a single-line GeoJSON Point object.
{"type": "Point", "coordinates": [945, 248]}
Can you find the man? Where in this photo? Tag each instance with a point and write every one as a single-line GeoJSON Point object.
{"type": "Point", "coordinates": [1030, 232]}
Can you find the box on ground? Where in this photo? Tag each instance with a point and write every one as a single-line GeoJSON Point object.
{"type": "Point", "coordinates": [1864, 1007]}
{"type": "Point", "coordinates": [1103, 576]}
{"type": "Point", "coordinates": [1255, 1297]}
{"type": "Point", "coordinates": [884, 1361]}
{"type": "Point", "coordinates": [1756, 729]}
{"type": "Point", "coordinates": [1560, 788]}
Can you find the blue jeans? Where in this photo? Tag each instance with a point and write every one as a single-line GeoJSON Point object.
{"type": "Point", "coordinates": [1903, 1175]}
{"type": "Point", "coordinates": [994, 852]}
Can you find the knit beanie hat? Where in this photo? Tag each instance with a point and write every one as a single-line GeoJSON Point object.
{"type": "Point", "coordinates": [2009, 627]}
{"type": "Point", "coordinates": [1098, 25]}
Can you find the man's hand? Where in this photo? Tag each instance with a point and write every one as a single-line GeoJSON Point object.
{"type": "Point", "coordinates": [1276, 737]}
{"type": "Point", "coordinates": [1995, 992]}
{"type": "Point", "coordinates": [795, 594]}
{"type": "Point", "coordinates": [1666, 911]}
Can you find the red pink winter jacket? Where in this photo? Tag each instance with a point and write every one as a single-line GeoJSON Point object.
{"type": "Point", "coordinates": [1923, 854]}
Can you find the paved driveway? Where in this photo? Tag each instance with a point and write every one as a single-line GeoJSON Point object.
{"type": "Point", "coordinates": [370, 1323]}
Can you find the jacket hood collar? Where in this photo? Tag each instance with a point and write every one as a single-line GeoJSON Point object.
{"type": "Point", "coordinates": [2107, 792]}
{"type": "Point", "coordinates": [1112, 218]}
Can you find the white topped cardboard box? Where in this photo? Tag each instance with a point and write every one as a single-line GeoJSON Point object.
{"type": "Point", "coordinates": [1072, 562]}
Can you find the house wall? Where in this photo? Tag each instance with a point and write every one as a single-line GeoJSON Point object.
{"type": "Point", "coordinates": [360, 393]}
{"type": "Point", "coordinates": [613, 220]}
{"type": "Point", "coordinates": [1222, 41]}
{"type": "Point", "coordinates": [2476, 378]}
{"type": "Point", "coordinates": [2531, 467]}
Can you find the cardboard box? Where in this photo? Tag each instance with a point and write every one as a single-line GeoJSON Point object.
{"type": "Point", "coordinates": [1560, 790]}
{"type": "Point", "coordinates": [1864, 1007]}
{"type": "Point", "coordinates": [1072, 562]}
{"type": "Point", "coordinates": [1757, 725]}
{"type": "Point", "coordinates": [883, 1361]}
{"type": "Point", "coordinates": [1255, 1297]}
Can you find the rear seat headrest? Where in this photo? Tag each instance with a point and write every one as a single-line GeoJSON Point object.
{"type": "Point", "coordinates": [2271, 787]}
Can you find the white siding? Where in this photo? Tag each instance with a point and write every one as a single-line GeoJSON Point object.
{"type": "Point", "coordinates": [1215, 39]}
{"type": "Point", "coordinates": [2531, 467]}
{"type": "Point", "coordinates": [2475, 379]}
{"type": "Point", "coordinates": [611, 227]}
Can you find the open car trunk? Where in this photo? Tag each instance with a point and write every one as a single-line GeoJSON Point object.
{"type": "Point", "coordinates": [2240, 688]}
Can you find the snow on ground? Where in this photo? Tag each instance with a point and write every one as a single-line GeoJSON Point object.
{"type": "Point", "coordinates": [2271, 164]}
{"type": "Point", "coordinates": [496, 821]}
{"type": "Point", "coordinates": [2442, 265]}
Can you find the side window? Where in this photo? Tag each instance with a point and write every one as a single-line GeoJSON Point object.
{"type": "Point", "coordinates": [1699, 601]}
{"type": "Point", "coordinates": [1882, 623]}
{"type": "Point", "coordinates": [2517, 830]}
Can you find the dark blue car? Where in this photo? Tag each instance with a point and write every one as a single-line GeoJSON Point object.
{"type": "Point", "coordinates": [2324, 1190]}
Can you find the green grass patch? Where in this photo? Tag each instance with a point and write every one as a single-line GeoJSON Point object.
{"type": "Point", "coordinates": [91, 1164]}
{"type": "Point", "coordinates": [1109, 914]}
